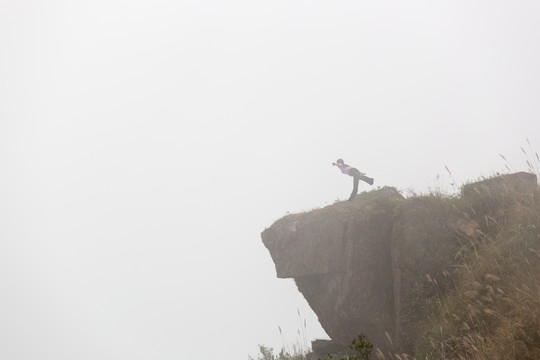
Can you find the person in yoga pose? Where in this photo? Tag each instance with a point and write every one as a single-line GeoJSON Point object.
{"type": "Point", "coordinates": [355, 173]}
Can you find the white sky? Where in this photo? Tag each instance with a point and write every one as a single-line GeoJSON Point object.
{"type": "Point", "coordinates": [144, 145]}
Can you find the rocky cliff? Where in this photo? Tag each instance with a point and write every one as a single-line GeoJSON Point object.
{"type": "Point", "coordinates": [372, 265]}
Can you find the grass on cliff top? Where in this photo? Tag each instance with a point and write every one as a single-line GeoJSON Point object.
{"type": "Point", "coordinates": [494, 310]}
{"type": "Point", "coordinates": [384, 198]}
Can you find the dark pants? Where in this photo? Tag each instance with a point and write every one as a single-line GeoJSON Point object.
{"type": "Point", "coordinates": [357, 176]}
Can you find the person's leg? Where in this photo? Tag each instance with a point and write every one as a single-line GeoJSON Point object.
{"type": "Point", "coordinates": [366, 179]}
{"type": "Point", "coordinates": [355, 188]}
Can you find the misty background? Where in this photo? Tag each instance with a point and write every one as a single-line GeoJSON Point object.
{"type": "Point", "coordinates": [144, 145]}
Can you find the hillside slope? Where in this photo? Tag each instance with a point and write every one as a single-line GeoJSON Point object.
{"type": "Point", "coordinates": [382, 264]}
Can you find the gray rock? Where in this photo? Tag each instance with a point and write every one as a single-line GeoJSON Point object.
{"type": "Point", "coordinates": [371, 265]}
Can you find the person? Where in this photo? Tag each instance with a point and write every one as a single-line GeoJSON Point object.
{"type": "Point", "coordinates": [357, 176]}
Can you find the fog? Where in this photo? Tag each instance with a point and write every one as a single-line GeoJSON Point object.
{"type": "Point", "coordinates": [144, 145]}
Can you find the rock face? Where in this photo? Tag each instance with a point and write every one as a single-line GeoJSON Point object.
{"type": "Point", "coordinates": [368, 266]}
{"type": "Point", "coordinates": [341, 260]}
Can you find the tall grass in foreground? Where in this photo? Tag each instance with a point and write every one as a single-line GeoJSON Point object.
{"type": "Point", "coordinates": [494, 311]}
{"type": "Point", "coordinates": [532, 160]}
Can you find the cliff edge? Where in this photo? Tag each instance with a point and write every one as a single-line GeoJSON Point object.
{"type": "Point", "coordinates": [372, 265]}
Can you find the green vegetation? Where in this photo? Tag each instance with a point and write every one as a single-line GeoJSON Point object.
{"type": "Point", "coordinates": [361, 347]}
{"type": "Point", "coordinates": [267, 353]}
